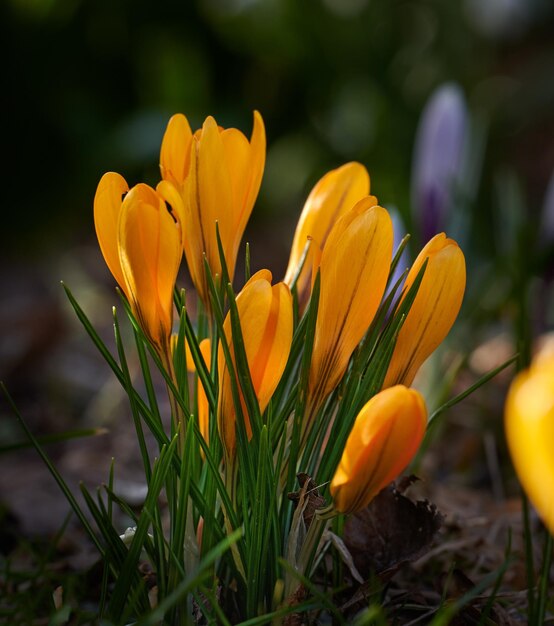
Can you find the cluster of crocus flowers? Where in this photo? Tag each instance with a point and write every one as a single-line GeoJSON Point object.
{"type": "Point", "coordinates": [529, 423]}
{"type": "Point", "coordinates": [210, 181]}
{"type": "Point", "coordinates": [141, 242]}
{"type": "Point", "coordinates": [385, 437]}
{"type": "Point", "coordinates": [265, 315]}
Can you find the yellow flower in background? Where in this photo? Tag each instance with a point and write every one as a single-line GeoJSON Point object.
{"type": "Point", "coordinates": [355, 264]}
{"type": "Point", "coordinates": [433, 310]}
{"type": "Point", "coordinates": [529, 424]}
{"type": "Point", "coordinates": [211, 176]}
{"type": "Point", "coordinates": [332, 196]}
{"type": "Point", "coordinates": [385, 437]}
{"type": "Point", "coordinates": [266, 320]}
{"type": "Point", "coordinates": [141, 244]}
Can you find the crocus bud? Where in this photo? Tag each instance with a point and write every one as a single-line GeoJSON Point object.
{"type": "Point", "coordinates": [353, 274]}
{"type": "Point", "coordinates": [433, 310]}
{"type": "Point", "coordinates": [529, 424]}
{"type": "Point", "coordinates": [333, 195]}
{"type": "Point", "coordinates": [437, 158]}
{"type": "Point", "coordinates": [386, 435]}
{"type": "Point", "coordinates": [141, 243]}
{"type": "Point", "coordinates": [265, 314]}
{"type": "Point", "coordinates": [211, 176]}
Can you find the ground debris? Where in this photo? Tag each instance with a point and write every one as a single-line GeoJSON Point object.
{"type": "Point", "coordinates": [391, 531]}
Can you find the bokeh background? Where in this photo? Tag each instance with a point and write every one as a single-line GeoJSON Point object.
{"type": "Point", "coordinates": [88, 87]}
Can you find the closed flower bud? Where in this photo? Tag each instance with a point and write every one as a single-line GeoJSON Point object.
{"type": "Point", "coordinates": [333, 195]}
{"type": "Point", "coordinates": [529, 423]}
{"type": "Point", "coordinates": [385, 437]}
{"type": "Point", "coordinates": [355, 264]}
{"type": "Point", "coordinates": [433, 310]}
{"type": "Point", "coordinates": [437, 159]}
{"type": "Point", "coordinates": [141, 243]}
{"type": "Point", "coordinates": [265, 314]}
{"type": "Point", "coordinates": [211, 176]}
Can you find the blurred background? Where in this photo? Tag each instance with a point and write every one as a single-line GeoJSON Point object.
{"type": "Point", "coordinates": [450, 106]}
{"type": "Point", "coordinates": [89, 87]}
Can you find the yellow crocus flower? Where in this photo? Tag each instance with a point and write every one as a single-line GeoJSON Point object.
{"type": "Point", "coordinates": [211, 176]}
{"type": "Point", "coordinates": [386, 435]}
{"type": "Point", "coordinates": [354, 267]}
{"type": "Point", "coordinates": [529, 424]}
{"type": "Point", "coordinates": [332, 196]}
{"type": "Point", "coordinates": [433, 310]}
{"type": "Point", "coordinates": [265, 314]}
{"type": "Point", "coordinates": [140, 241]}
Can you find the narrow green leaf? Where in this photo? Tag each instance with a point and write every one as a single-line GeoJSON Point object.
{"type": "Point", "coordinates": [55, 438]}
{"type": "Point", "coordinates": [467, 392]}
{"type": "Point", "coordinates": [190, 582]}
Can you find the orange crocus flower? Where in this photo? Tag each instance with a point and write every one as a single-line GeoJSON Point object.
{"type": "Point", "coordinates": [386, 435]}
{"type": "Point", "coordinates": [332, 196]}
{"type": "Point", "coordinates": [140, 241]}
{"type": "Point", "coordinates": [354, 268]}
{"type": "Point", "coordinates": [266, 320]}
{"type": "Point", "coordinates": [211, 177]}
{"type": "Point", "coordinates": [433, 310]}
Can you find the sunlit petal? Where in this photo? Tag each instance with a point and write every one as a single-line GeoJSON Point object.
{"type": "Point", "coordinates": [175, 150]}
{"type": "Point", "coordinates": [107, 206]}
{"type": "Point", "coordinates": [332, 196]}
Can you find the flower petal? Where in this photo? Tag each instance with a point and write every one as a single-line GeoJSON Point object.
{"type": "Point", "coordinates": [175, 151]}
{"type": "Point", "coordinates": [332, 196]}
{"type": "Point", "coordinates": [107, 206]}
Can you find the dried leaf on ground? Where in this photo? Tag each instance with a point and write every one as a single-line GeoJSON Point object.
{"type": "Point", "coordinates": [391, 531]}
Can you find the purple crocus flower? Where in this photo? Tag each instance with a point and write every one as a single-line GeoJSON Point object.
{"type": "Point", "coordinates": [437, 159]}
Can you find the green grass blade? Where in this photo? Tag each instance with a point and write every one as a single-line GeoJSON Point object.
{"type": "Point", "coordinates": [467, 392]}
{"type": "Point", "coordinates": [192, 581]}
{"type": "Point", "coordinates": [55, 438]}
{"type": "Point", "coordinates": [123, 583]}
